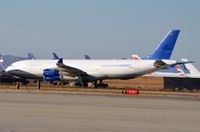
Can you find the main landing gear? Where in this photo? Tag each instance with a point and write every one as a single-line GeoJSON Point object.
{"type": "Point", "coordinates": [95, 84]}
{"type": "Point", "coordinates": [38, 84]}
{"type": "Point", "coordinates": [100, 84]}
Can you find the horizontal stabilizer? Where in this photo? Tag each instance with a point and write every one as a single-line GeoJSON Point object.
{"type": "Point", "coordinates": [169, 63]}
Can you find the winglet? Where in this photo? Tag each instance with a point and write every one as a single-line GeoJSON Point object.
{"type": "Point", "coordinates": [166, 46]}
{"type": "Point", "coordinates": [60, 61]}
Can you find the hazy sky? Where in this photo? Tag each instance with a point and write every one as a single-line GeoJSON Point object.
{"type": "Point", "coordinates": [100, 28]}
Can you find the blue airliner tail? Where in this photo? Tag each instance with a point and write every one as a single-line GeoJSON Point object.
{"type": "Point", "coordinates": [165, 48]}
{"type": "Point", "coordinates": [87, 57]}
{"type": "Point", "coordinates": [55, 56]}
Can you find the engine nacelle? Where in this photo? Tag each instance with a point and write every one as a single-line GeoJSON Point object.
{"type": "Point", "coordinates": [54, 75]}
{"type": "Point", "coordinates": [50, 72]}
{"type": "Point", "coordinates": [51, 75]}
{"type": "Point", "coordinates": [54, 78]}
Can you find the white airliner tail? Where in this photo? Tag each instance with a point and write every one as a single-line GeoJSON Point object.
{"type": "Point", "coordinates": [180, 70]}
{"type": "Point", "coordinates": [135, 57]}
{"type": "Point", "coordinates": [189, 66]}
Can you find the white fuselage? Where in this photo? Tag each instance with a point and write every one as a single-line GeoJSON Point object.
{"type": "Point", "coordinates": [95, 69]}
{"type": "Point", "coordinates": [193, 75]}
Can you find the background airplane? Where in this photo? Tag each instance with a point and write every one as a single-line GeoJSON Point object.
{"type": "Point", "coordinates": [55, 56]}
{"type": "Point", "coordinates": [31, 56]}
{"type": "Point", "coordinates": [87, 57]}
{"type": "Point", "coordinates": [4, 65]}
{"type": "Point", "coordinates": [193, 71]}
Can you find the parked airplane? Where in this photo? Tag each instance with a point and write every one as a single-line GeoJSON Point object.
{"type": "Point", "coordinates": [55, 56]}
{"type": "Point", "coordinates": [85, 71]}
{"type": "Point", "coordinates": [4, 65]}
{"type": "Point", "coordinates": [9, 60]}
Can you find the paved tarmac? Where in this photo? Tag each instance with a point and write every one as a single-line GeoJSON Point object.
{"type": "Point", "coordinates": [72, 112]}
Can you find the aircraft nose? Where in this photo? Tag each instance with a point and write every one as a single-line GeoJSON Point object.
{"type": "Point", "coordinates": [7, 69]}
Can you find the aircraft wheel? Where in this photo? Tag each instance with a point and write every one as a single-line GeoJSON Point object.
{"type": "Point", "coordinates": [84, 84]}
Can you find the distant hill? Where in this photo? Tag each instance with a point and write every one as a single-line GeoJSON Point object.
{"type": "Point", "coordinates": [9, 59]}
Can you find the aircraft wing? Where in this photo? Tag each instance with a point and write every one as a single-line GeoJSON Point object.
{"type": "Point", "coordinates": [68, 70]}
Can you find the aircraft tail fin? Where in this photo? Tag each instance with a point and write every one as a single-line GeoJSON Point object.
{"type": "Point", "coordinates": [31, 56]}
{"type": "Point", "coordinates": [3, 65]}
{"type": "Point", "coordinates": [180, 70]}
{"type": "Point", "coordinates": [189, 66]}
{"type": "Point", "coordinates": [135, 57]}
{"type": "Point", "coordinates": [87, 57]}
{"type": "Point", "coordinates": [55, 56]}
{"type": "Point", "coordinates": [166, 46]}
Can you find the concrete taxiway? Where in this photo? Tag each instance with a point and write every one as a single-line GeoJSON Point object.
{"type": "Point", "coordinates": [61, 112]}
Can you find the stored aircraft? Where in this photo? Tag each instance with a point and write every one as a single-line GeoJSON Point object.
{"type": "Point", "coordinates": [85, 71]}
